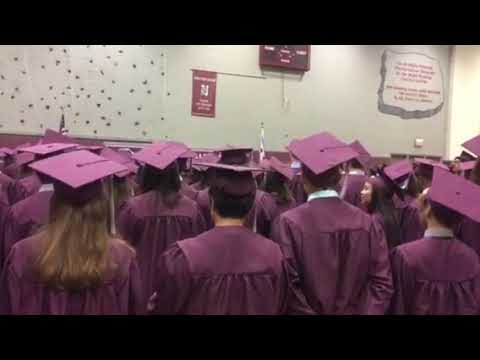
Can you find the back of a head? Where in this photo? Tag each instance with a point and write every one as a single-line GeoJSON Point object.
{"type": "Point", "coordinates": [228, 205]}
{"type": "Point", "coordinates": [326, 180]}
{"type": "Point", "coordinates": [445, 216]}
{"type": "Point", "coordinates": [166, 182]}
{"type": "Point", "coordinates": [76, 240]}
{"type": "Point", "coordinates": [276, 184]}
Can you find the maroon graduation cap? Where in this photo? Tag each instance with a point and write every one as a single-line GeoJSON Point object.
{"type": "Point", "coordinates": [321, 152]}
{"type": "Point", "coordinates": [455, 193]}
{"type": "Point", "coordinates": [236, 180]}
{"type": "Point", "coordinates": [77, 175]}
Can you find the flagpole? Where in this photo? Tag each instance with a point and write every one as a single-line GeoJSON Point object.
{"type": "Point", "coordinates": [262, 142]}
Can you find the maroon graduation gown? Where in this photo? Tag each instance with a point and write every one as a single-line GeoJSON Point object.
{"type": "Point", "coordinates": [225, 271]}
{"type": "Point", "coordinates": [189, 191]}
{"type": "Point", "coordinates": [340, 257]}
{"type": "Point", "coordinates": [23, 293]}
{"type": "Point", "coordinates": [435, 276]}
{"type": "Point", "coordinates": [409, 218]}
{"type": "Point", "coordinates": [469, 233]}
{"type": "Point", "coordinates": [23, 188]}
{"type": "Point", "coordinates": [146, 223]}
{"type": "Point", "coordinates": [355, 183]}
{"type": "Point", "coordinates": [24, 219]}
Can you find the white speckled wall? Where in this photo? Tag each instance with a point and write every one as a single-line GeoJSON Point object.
{"type": "Point", "coordinates": [104, 91]}
{"type": "Point", "coordinates": [144, 92]}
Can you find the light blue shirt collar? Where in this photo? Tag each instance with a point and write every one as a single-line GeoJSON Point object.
{"type": "Point", "coordinates": [322, 194]}
{"type": "Point", "coordinates": [439, 232]}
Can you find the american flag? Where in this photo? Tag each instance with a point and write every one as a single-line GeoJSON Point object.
{"type": "Point", "coordinates": [63, 129]}
{"type": "Point", "coordinates": [262, 143]}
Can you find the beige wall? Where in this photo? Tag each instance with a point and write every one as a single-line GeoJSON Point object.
{"type": "Point", "coordinates": [465, 97]}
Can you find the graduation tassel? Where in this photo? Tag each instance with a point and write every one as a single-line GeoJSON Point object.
{"type": "Point", "coordinates": [113, 229]}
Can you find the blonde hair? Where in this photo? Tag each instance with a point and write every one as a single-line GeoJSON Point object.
{"type": "Point", "coordinates": [75, 244]}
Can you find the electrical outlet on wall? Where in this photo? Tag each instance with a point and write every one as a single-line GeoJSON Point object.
{"type": "Point", "coordinates": [419, 142]}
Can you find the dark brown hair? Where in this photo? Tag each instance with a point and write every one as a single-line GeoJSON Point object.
{"type": "Point", "coordinates": [166, 182]}
{"type": "Point", "coordinates": [326, 180]}
{"type": "Point", "coordinates": [277, 184]}
{"type": "Point", "coordinates": [382, 203]}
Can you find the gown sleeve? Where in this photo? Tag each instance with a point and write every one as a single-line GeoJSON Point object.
{"type": "Point", "coordinates": [127, 223]}
{"type": "Point", "coordinates": [287, 237]}
{"type": "Point", "coordinates": [199, 223]}
{"type": "Point", "coordinates": [174, 281]}
{"type": "Point", "coordinates": [9, 289]}
{"type": "Point", "coordinates": [403, 283]}
{"type": "Point", "coordinates": [136, 301]}
{"type": "Point", "coordinates": [11, 233]}
{"type": "Point", "coordinates": [379, 287]}
{"type": "Point", "coordinates": [295, 302]}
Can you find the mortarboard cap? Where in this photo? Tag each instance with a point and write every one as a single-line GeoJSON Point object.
{"type": "Point", "coordinates": [399, 169]}
{"type": "Point", "coordinates": [473, 145]}
{"type": "Point", "coordinates": [7, 151]}
{"type": "Point", "coordinates": [455, 193]}
{"type": "Point", "coordinates": [321, 152]}
{"type": "Point", "coordinates": [161, 155]}
{"type": "Point", "coordinates": [77, 174]}
{"type": "Point", "coordinates": [24, 158]}
{"type": "Point", "coordinates": [236, 180]}
{"type": "Point", "coordinates": [235, 155]}
{"type": "Point", "coordinates": [430, 163]}
{"type": "Point", "coordinates": [207, 158]}
{"type": "Point", "coordinates": [364, 157]}
{"type": "Point", "coordinates": [273, 164]}
{"type": "Point", "coordinates": [465, 156]}
{"type": "Point", "coordinates": [390, 183]}
{"type": "Point", "coordinates": [467, 165]}
{"type": "Point", "coordinates": [46, 149]}
{"type": "Point", "coordinates": [121, 158]}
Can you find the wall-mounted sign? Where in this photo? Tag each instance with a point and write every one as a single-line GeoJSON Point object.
{"type": "Point", "coordinates": [411, 85]}
{"type": "Point", "coordinates": [204, 90]}
{"type": "Point", "coordinates": [286, 57]}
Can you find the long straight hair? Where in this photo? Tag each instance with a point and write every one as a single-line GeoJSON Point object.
{"type": "Point", "coordinates": [382, 203]}
{"type": "Point", "coordinates": [74, 254]}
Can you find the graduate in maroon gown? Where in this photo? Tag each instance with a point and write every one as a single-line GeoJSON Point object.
{"type": "Point", "coordinates": [161, 215]}
{"type": "Point", "coordinates": [74, 266]}
{"type": "Point", "coordinates": [377, 198]}
{"type": "Point", "coordinates": [228, 270]}
{"type": "Point", "coordinates": [402, 173]}
{"type": "Point", "coordinates": [357, 173]}
{"type": "Point", "coordinates": [26, 183]}
{"type": "Point", "coordinates": [339, 252]}
{"type": "Point", "coordinates": [259, 218]}
{"type": "Point", "coordinates": [440, 275]}
{"type": "Point", "coordinates": [275, 184]}
{"type": "Point", "coordinates": [28, 215]}
{"type": "Point", "coordinates": [468, 228]}
{"type": "Point", "coordinates": [424, 171]}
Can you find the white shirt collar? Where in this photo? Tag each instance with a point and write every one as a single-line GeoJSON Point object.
{"type": "Point", "coordinates": [322, 194]}
{"type": "Point", "coordinates": [439, 232]}
{"type": "Point", "coordinates": [46, 187]}
{"type": "Point", "coordinates": [356, 172]}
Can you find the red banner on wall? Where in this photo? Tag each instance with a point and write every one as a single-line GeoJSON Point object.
{"type": "Point", "coordinates": [203, 93]}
